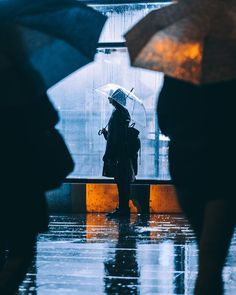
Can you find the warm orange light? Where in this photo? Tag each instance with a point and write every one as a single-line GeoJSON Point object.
{"type": "Point", "coordinates": [94, 227]}
{"type": "Point", "coordinates": [103, 198]}
{"type": "Point", "coordinates": [165, 54]}
{"type": "Point", "coordinates": [163, 199]}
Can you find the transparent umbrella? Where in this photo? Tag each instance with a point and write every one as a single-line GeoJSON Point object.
{"type": "Point", "coordinates": [127, 99]}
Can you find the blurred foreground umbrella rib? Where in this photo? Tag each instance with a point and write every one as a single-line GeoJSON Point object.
{"type": "Point", "coordinates": [59, 36]}
{"type": "Point", "coordinates": [192, 40]}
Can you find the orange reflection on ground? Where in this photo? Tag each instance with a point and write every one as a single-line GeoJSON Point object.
{"type": "Point", "coordinates": [97, 226]}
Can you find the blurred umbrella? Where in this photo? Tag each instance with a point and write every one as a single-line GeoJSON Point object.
{"type": "Point", "coordinates": [193, 40]}
{"type": "Point", "coordinates": [59, 36]}
{"type": "Point", "coordinates": [127, 99]}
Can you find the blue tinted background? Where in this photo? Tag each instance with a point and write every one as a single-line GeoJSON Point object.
{"type": "Point", "coordinates": [83, 111]}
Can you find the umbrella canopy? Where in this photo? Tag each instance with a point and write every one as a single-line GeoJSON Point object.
{"type": "Point", "coordinates": [127, 99]}
{"type": "Point", "coordinates": [58, 36]}
{"type": "Point", "coordinates": [192, 40]}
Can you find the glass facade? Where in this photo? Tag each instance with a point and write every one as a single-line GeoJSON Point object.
{"type": "Point", "coordinates": [84, 111]}
{"type": "Point", "coordinates": [121, 17]}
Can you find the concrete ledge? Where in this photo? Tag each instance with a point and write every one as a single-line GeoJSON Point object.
{"type": "Point", "coordinates": [163, 199]}
{"type": "Point", "coordinates": [103, 197]}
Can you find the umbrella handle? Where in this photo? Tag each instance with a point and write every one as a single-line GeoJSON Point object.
{"type": "Point", "coordinates": [100, 132]}
{"type": "Point", "coordinates": [132, 124]}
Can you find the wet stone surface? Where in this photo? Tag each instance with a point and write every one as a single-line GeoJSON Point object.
{"type": "Point", "coordinates": [89, 254]}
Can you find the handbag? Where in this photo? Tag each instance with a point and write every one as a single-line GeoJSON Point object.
{"type": "Point", "coordinates": [109, 168]}
{"type": "Point", "coordinates": [54, 161]}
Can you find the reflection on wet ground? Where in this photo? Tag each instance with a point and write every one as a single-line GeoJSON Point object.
{"type": "Point", "coordinates": [89, 254]}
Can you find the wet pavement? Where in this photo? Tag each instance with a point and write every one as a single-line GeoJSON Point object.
{"type": "Point", "coordinates": [89, 254]}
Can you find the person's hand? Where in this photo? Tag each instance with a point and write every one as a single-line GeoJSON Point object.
{"type": "Point", "coordinates": [104, 131]}
{"type": "Point", "coordinates": [105, 158]}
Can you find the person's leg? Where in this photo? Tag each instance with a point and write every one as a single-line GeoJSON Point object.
{"type": "Point", "coordinates": [213, 224]}
{"type": "Point", "coordinates": [21, 251]}
{"type": "Point", "coordinates": [123, 209]}
{"type": "Point", "coordinates": [217, 231]}
{"type": "Point", "coordinates": [193, 207]}
{"type": "Point", "coordinates": [124, 194]}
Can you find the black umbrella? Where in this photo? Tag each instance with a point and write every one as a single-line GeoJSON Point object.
{"type": "Point", "coordinates": [59, 36]}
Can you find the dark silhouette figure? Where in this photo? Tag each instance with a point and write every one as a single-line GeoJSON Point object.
{"type": "Point", "coordinates": [200, 122]}
{"type": "Point", "coordinates": [24, 113]}
{"type": "Point", "coordinates": [116, 157]}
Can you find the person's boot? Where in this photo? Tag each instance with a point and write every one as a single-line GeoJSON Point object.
{"type": "Point", "coordinates": [119, 213]}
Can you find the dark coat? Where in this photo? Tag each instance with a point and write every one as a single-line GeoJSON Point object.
{"type": "Point", "coordinates": [200, 121]}
{"type": "Point", "coordinates": [116, 147]}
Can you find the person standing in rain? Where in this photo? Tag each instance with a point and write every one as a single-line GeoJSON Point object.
{"type": "Point", "coordinates": [117, 162]}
